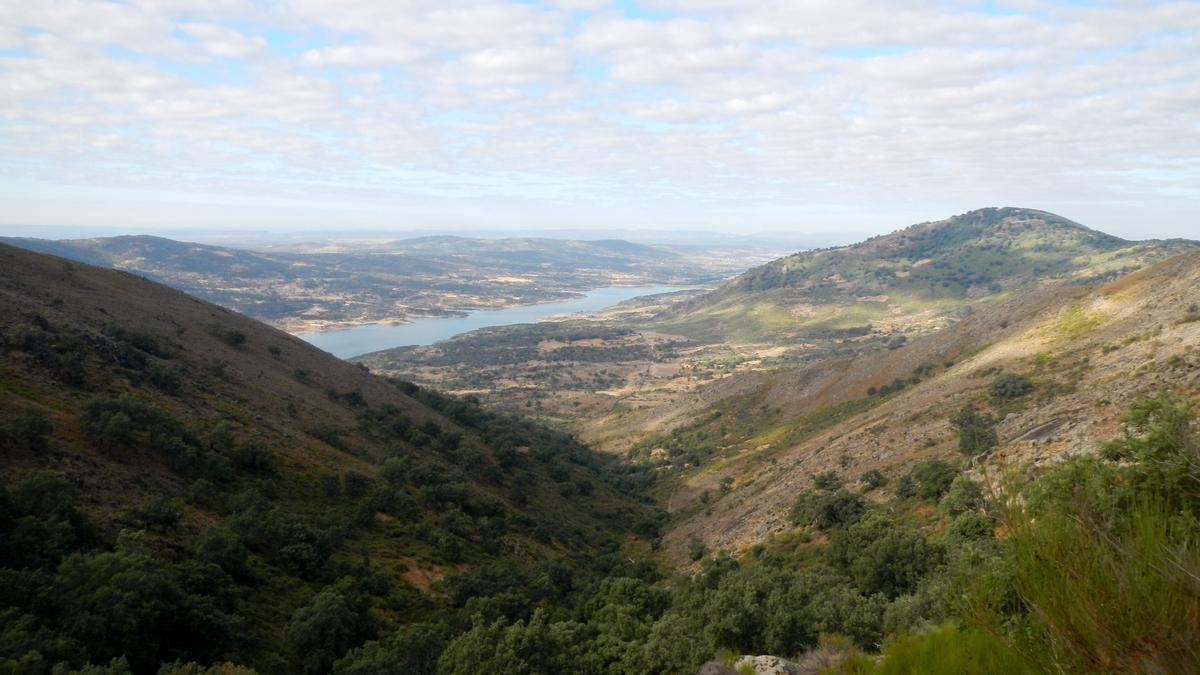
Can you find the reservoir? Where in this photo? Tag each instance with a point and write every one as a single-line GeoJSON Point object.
{"type": "Point", "coordinates": [359, 340]}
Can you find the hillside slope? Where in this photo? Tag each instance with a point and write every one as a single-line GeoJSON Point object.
{"type": "Point", "coordinates": [278, 469]}
{"type": "Point", "coordinates": [1087, 350]}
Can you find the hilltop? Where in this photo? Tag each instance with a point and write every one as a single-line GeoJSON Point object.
{"type": "Point", "coordinates": [147, 432]}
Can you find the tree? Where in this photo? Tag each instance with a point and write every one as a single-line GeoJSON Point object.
{"type": "Point", "coordinates": [128, 603]}
{"type": "Point", "coordinates": [882, 557]}
{"type": "Point", "coordinates": [324, 629]}
{"type": "Point", "coordinates": [976, 431]}
{"type": "Point", "coordinates": [28, 430]}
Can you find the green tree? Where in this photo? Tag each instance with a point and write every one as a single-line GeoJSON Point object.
{"type": "Point", "coordinates": [883, 557]}
{"type": "Point", "coordinates": [323, 630]}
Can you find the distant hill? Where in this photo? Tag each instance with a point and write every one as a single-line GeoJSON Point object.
{"type": "Point", "coordinates": [318, 286]}
{"type": "Point", "coordinates": [912, 278]}
{"type": "Point", "coordinates": [230, 475]}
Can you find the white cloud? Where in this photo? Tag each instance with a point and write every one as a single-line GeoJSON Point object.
{"type": "Point", "coordinates": [225, 42]}
{"type": "Point", "coordinates": [714, 103]}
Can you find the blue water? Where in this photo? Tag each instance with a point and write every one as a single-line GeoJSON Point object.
{"type": "Point", "coordinates": [375, 337]}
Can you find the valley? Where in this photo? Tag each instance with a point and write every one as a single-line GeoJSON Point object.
{"type": "Point", "coordinates": [840, 457]}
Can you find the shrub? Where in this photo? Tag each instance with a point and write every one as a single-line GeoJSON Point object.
{"type": "Point", "coordinates": [830, 480]}
{"type": "Point", "coordinates": [928, 479]}
{"type": "Point", "coordinates": [963, 495]}
{"type": "Point", "coordinates": [413, 650]}
{"type": "Point", "coordinates": [253, 455]}
{"type": "Point", "coordinates": [355, 483]}
{"type": "Point", "coordinates": [230, 336]}
{"type": "Point", "coordinates": [158, 513]}
{"type": "Point", "coordinates": [827, 510]}
{"type": "Point", "coordinates": [873, 479]}
{"type": "Point", "coordinates": [883, 557]}
{"type": "Point", "coordinates": [1008, 386]}
{"type": "Point", "coordinates": [127, 603]}
{"type": "Point", "coordinates": [165, 378]}
{"type": "Point", "coordinates": [976, 431]}
{"type": "Point", "coordinates": [696, 548]}
{"type": "Point", "coordinates": [28, 430]}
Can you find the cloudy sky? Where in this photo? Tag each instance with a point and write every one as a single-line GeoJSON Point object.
{"type": "Point", "coordinates": [804, 115]}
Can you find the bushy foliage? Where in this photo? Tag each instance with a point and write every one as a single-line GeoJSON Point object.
{"type": "Point", "coordinates": [928, 479]}
{"type": "Point", "coordinates": [826, 510]}
{"type": "Point", "coordinates": [1009, 386]}
{"type": "Point", "coordinates": [976, 431]}
{"type": "Point", "coordinates": [873, 479]}
{"type": "Point", "coordinates": [830, 480]}
{"type": "Point", "coordinates": [1127, 536]}
{"type": "Point", "coordinates": [883, 557]}
{"type": "Point", "coordinates": [963, 495]}
{"type": "Point", "coordinates": [950, 650]}
{"type": "Point", "coordinates": [320, 632]}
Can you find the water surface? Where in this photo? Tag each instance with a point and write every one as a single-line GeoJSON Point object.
{"type": "Point", "coordinates": [350, 342]}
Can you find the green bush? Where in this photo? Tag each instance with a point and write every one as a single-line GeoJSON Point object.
{"type": "Point", "coordinates": [873, 480]}
{"type": "Point", "coordinates": [129, 604]}
{"type": "Point", "coordinates": [883, 557]}
{"type": "Point", "coordinates": [827, 510]}
{"type": "Point", "coordinates": [30, 430]}
{"type": "Point", "coordinates": [928, 479]}
{"type": "Point", "coordinates": [1008, 386]}
{"type": "Point", "coordinates": [963, 495]}
{"type": "Point", "coordinates": [322, 631]}
{"type": "Point", "coordinates": [976, 431]}
{"type": "Point", "coordinates": [830, 480]}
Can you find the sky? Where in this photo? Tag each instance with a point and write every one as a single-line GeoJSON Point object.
{"type": "Point", "coordinates": [797, 115]}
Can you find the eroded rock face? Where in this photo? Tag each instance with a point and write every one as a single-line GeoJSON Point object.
{"type": "Point", "coordinates": [768, 665]}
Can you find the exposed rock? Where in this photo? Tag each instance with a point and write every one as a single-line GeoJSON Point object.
{"type": "Point", "coordinates": [768, 665]}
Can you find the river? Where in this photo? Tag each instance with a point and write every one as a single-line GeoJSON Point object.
{"type": "Point", "coordinates": [349, 342]}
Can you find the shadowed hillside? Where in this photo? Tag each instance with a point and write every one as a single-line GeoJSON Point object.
{"type": "Point", "coordinates": [236, 480]}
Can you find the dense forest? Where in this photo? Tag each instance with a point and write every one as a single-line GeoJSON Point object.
{"type": "Point", "coordinates": [1088, 566]}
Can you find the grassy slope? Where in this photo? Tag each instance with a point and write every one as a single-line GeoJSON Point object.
{"type": "Point", "coordinates": [1090, 351]}
{"type": "Point", "coordinates": [278, 391]}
